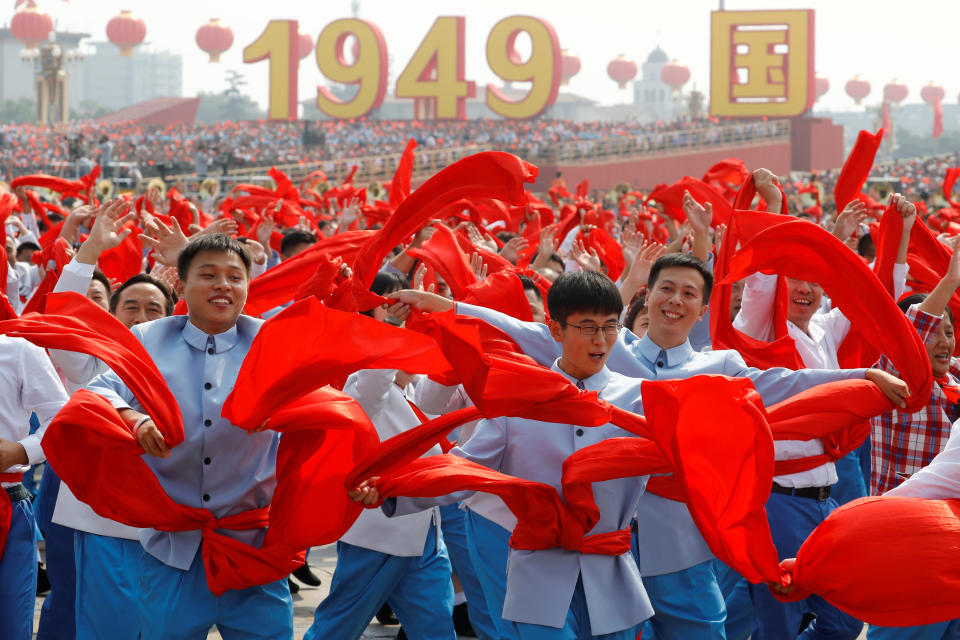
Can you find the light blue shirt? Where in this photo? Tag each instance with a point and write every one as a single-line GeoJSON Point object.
{"type": "Point", "coordinates": [540, 584]}
{"type": "Point", "coordinates": [218, 466]}
{"type": "Point", "coordinates": [668, 538]}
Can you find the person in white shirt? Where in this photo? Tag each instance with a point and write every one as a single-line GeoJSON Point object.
{"type": "Point", "coordinates": [28, 383]}
{"type": "Point", "coordinates": [402, 561]}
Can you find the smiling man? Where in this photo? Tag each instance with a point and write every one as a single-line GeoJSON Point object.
{"type": "Point", "coordinates": [674, 560]}
{"type": "Point", "coordinates": [218, 466]}
{"type": "Point", "coordinates": [559, 593]}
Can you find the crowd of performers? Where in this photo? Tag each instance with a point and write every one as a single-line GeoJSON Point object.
{"type": "Point", "coordinates": [570, 416]}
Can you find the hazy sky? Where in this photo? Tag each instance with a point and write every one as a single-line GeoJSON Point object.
{"type": "Point", "coordinates": [880, 39]}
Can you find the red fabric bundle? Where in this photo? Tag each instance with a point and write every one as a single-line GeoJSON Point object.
{"type": "Point", "coordinates": [125, 260]}
{"type": "Point", "coordinates": [488, 174]}
{"type": "Point", "coordinates": [607, 249]}
{"type": "Point", "coordinates": [748, 191]}
{"type": "Point", "coordinates": [726, 176]}
{"type": "Point", "coordinates": [279, 285]}
{"type": "Point", "coordinates": [856, 168]}
{"type": "Point", "coordinates": [503, 292]}
{"type": "Point", "coordinates": [67, 188]}
{"type": "Point", "coordinates": [57, 254]}
{"type": "Point", "coordinates": [442, 252]}
{"type": "Point", "coordinates": [400, 185]}
{"type": "Point", "coordinates": [6, 208]}
{"type": "Point", "coordinates": [887, 560]}
{"type": "Point", "coordinates": [803, 250]}
{"type": "Point", "coordinates": [671, 197]}
{"type": "Point", "coordinates": [949, 180]}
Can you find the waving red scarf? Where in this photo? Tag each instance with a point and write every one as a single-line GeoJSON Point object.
{"type": "Point", "coordinates": [492, 174]}
{"type": "Point", "coordinates": [400, 185]}
{"type": "Point", "coordinates": [671, 197]}
{"type": "Point", "coordinates": [856, 168]}
{"type": "Point", "coordinates": [442, 252]}
{"type": "Point", "coordinates": [502, 291]}
{"type": "Point", "coordinates": [55, 255]}
{"type": "Point", "coordinates": [279, 285]}
{"type": "Point", "coordinates": [125, 260]}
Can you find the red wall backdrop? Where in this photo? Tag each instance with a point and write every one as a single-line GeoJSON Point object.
{"type": "Point", "coordinates": [646, 173]}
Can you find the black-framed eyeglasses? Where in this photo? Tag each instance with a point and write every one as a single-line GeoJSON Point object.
{"type": "Point", "coordinates": [591, 329]}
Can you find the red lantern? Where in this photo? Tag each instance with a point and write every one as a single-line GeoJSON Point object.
{"type": "Point", "coordinates": [214, 38]}
{"type": "Point", "coordinates": [622, 70]}
{"type": "Point", "coordinates": [570, 66]}
{"type": "Point", "coordinates": [304, 45]}
{"type": "Point", "coordinates": [931, 93]}
{"type": "Point", "coordinates": [675, 75]}
{"type": "Point", "coordinates": [126, 32]}
{"type": "Point", "coordinates": [857, 88]}
{"type": "Point", "coordinates": [895, 91]}
{"type": "Point", "coordinates": [30, 26]}
{"type": "Point", "coordinates": [821, 85]}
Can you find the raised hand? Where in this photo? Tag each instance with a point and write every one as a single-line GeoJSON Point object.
{"type": "Point", "coordinates": [698, 216]}
{"type": "Point", "coordinates": [588, 260]}
{"type": "Point", "coordinates": [767, 186]}
{"type": "Point", "coordinates": [640, 268]}
{"type": "Point", "coordinates": [265, 231]}
{"type": "Point", "coordinates": [477, 266]}
{"type": "Point", "coordinates": [849, 220]}
{"type": "Point", "coordinates": [418, 277]}
{"type": "Point", "coordinates": [907, 210]}
{"type": "Point", "coordinates": [165, 241]}
{"type": "Point", "coordinates": [511, 250]}
{"type": "Point", "coordinates": [107, 231]}
{"type": "Point", "coordinates": [228, 226]}
{"type": "Point", "coordinates": [477, 239]}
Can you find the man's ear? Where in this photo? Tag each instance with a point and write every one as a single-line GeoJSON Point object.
{"type": "Point", "coordinates": [703, 309]}
{"type": "Point", "coordinates": [556, 330]}
{"type": "Point", "coordinates": [178, 287]}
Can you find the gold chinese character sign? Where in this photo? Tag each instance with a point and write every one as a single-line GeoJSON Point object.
{"type": "Point", "coordinates": [761, 63]}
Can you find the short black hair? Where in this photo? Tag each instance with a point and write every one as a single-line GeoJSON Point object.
{"type": "Point", "coordinates": [293, 237]}
{"type": "Point", "coordinates": [28, 245]}
{"type": "Point", "coordinates": [168, 301]}
{"type": "Point", "coordinates": [385, 283]}
{"type": "Point", "coordinates": [866, 246]}
{"type": "Point", "coordinates": [530, 285]}
{"type": "Point", "coordinates": [682, 260]}
{"type": "Point", "coordinates": [102, 278]}
{"type": "Point", "coordinates": [639, 304]}
{"type": "Point", "coordinates": [214, 242]}
{"type": "Point", "coordinates": [582, 291]}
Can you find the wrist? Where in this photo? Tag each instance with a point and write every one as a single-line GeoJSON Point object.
{"type": "Point", "coordinates": [140, 422]}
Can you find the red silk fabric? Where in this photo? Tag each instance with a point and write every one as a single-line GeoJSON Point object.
{"type": "Point", "coordinates": [856, 168]}
{"type": "Point", "coordinates": [400, 185]}
{"type": "Point", "coordinates": [671, 197]}
{"type": "Point", "coordinates": [887, 560]}
{"type": "Point", "coordinates": [491, 174]}
{"type": "Point", "coordinates": [442, 252]}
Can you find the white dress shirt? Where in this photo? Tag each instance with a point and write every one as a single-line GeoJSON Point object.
{"type": "Point", "coordinates": [28, 383]}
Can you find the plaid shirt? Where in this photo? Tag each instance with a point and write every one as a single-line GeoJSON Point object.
{"type": "Point", "coordinates": [904, 443]}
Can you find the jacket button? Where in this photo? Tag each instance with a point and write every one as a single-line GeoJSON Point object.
{"type": "Point", "coordinates": [207, 422]}
{"type": "Point", "coordinates": [206, 461]}
{"type": "Point", "coordinates": [211, 351]}
{"type": "Point", "coordinates": [579, 432]}
{"type": "Point", "coordinates": [207, 385]}
{"type": "Point", "coordinates": [206, 497]}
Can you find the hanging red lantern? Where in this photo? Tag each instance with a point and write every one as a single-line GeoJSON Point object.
{"type": "Point", "coordinates": [895, 91]}
{"type": "Point", "coordinates": [214, 38]}
{"type": "Point", "coordinates": [931, 93]}
{"type": "Point", "coordinates": [570, 66]}
{"type": "Point", "coordinates": [30, 26]}
{"type": "Point", "coordinates": [821, 85]}
{"type": "Point", "coordinates": [126, 32]}
{"type": "Point", "coordinates": [857, 88]}
{"type": "Point", "coordinates": [304, 45]}
{"type": "Point", "coordinates": [675, 75]}
{"type": "Point", "coordinates": [622, 70]}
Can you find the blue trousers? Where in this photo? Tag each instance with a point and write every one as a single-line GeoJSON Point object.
{"type": "Point", "coordinates": [452, 522]}
{"type": "Point", "coordinates": [850, 484]}
{"type": "Point", "coordinates": [489, 546]}
{"type": "Point", "coordinates": [108, 586]}
{"type": "Point", "coordinates": [178, 605]}
{"type": "Point", "coordinates": [687, 604]}
{"type": "Point", "coordinates": [18, 575]}
{"type": "Point", "coordinates": [791, 521]}
{"type": "Point", "coordinates": [57, 616]}
{"type": "Point", "coordinates": [736, 598]}
{"type": "Point", "coordinates": [577, 626]}
{"type": "Point", "coordinates": [417, 588]}
{"type": "Point", "coordinates": [949, 630]}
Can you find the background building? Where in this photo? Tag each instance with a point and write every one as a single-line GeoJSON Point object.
{"type": "Point", "coordinates": [115, 81]}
